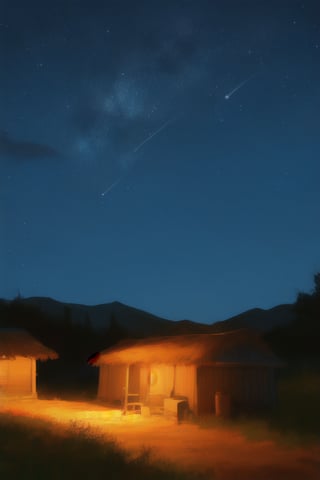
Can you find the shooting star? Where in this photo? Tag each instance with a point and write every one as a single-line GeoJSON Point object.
{"type": "Point", "coordinates": [114, 184]}
{"type": "Point", "coordinates": [228, 95]}
{"type": "Point", "coordinates": [153, 135]}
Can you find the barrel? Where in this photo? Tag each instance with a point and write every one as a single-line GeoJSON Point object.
{"type": "Point", "coordinates": [222, 404]}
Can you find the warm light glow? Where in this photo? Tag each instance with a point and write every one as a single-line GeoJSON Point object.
{"type": "Point", "coordinates": [185, 445]}
{"type": "Point", "coordinates": [71, 411]}
{"type": "Point", "coordinates": [153, 377]}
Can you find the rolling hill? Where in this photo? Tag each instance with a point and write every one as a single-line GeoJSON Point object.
{"type": "Point", "coordinates": [139, 322]}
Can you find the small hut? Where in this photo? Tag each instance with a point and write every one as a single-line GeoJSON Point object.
{"type": "Point", "coordinates": [18, 354]}
{"type": "Point", "coordinates": [199, 368]}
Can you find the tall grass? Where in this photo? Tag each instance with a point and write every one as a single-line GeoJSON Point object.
{"type": "Point", "coordinates": [38, 450]}
{"type": "Point", "coordinates": [294, 421]}
{"type": "Point", "coordinates": [297, 408]}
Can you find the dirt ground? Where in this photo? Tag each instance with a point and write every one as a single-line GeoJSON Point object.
{"type": "Point", "coordinates": [220, 453]}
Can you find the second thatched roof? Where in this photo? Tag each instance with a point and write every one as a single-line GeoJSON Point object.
{"type": "Point", "coordinates": [18, 342]}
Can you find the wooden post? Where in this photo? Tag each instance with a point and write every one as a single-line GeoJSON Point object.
{"type": "Point", "coordinates": [173, 391]}
{"type": "Point", "coordinates": [126, 389]}
{"type": "Point", "coordinates": [33, 378]}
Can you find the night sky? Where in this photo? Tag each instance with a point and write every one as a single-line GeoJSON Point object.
{"type": "Point", "coordinates": [164, 154]}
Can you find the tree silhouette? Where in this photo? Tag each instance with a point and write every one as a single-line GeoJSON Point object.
{"type": "Point", "coordinates": [299, 341]}
{"type": "Point", "coordinates": [67, 316]}
{"type": "Point", "coordinates": [114, 332]}
{"type": "Point", "coordinates": [308, 307]}
{"type": "Point", "coordinates": [316, 290]}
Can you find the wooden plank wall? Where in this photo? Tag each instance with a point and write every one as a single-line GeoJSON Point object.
{"type": "Point", "coordinates": [111, 383]}
{"type": "Point", "coordinates": [185, 384]}
{"type": "Point", "coordinates": [250, 388]}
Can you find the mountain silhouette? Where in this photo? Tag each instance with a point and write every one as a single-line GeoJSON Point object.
{"type": "Point", "coordinates": [261, 319]}
{"type": "Point", "coordinates": [142, 323]}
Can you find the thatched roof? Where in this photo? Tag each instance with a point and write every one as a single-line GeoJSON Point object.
{"type": "Point", "coordinates": [241, 347]}
{"type": "Point", "coordinates": [17, 342]}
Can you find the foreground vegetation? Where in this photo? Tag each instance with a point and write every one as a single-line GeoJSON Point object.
{"type": "Point", "coordinates": [34, 449]}
{"type": "Point", "coordinates": [295, 419]}
{"type": "Point", "coordinates": [297, 408]}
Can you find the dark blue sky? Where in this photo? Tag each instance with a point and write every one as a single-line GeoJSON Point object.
{"type": "Point", "coordinates": [126, 173]}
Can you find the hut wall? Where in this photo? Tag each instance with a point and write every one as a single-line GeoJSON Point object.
{"type": "Point", "coordinates": [18, 377]}
{"type": "Point", "coordinates": [161, 379]}
{"type": "Point", "coordinates": [144, 383]}
{"type": "Point", "coordinates": [185, 384]}
{"type": "Point", "coordinates": [250, 388]}
{"type": "Point", "coordinates": [111, 383]}
{"type": "Point", "coordinates": [134, 379]}
{"type": "Point", "coordinates": [3, 376]}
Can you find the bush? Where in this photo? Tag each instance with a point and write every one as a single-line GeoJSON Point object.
{"type": "Point", "coordinates": [38, 450]}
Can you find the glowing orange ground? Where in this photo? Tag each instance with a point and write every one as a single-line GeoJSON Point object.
{"type": "Point", "coordinates": [223, 454]}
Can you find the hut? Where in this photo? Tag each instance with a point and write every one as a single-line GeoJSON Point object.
{"type": "Point", "coordinates": [205, 370]}
{"type": "Point", "coordinates": [19, 352]}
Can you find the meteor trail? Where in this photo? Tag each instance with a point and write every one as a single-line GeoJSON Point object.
{"type": "Point", "coordinates": [152, 135]}
{"type": "Point", "coordinates": [228, 95]}
{"type": "Point", "coordinates": [114, 184]}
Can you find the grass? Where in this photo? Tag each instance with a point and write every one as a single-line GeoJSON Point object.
{"type": "Point", "coordinates": [294, 421]}
{"type": "Point", "coordinates": [259, 429]}
{"type": "Point", "coordinates": [35, 449]}
{"type": "Point", "coordinates": [297, 409]}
